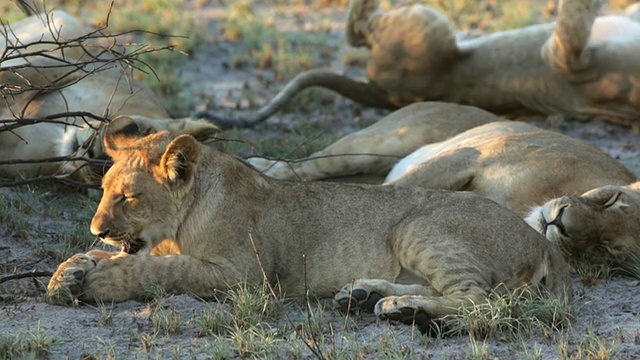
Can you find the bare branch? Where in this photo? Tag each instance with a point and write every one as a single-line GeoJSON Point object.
{"type": "Point", "coordinates": [52, 63]}
{"type": "Point", "coordinates": [30, 275]}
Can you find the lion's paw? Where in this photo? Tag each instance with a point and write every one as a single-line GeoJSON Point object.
{"type": "Point", "coordinates": [356, 296]}
{"type": "Point", "coordinates": [397, 308]}
{"type": "Point", "coordinates": [66, 283]}
{"type": "Point", "coordinates": [406, 310]}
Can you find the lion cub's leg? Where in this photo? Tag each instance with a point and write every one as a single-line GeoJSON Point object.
{"type": "Point", "coordinates": [566, 50]}
{"type": "Point", "coordinates": [125, 277]}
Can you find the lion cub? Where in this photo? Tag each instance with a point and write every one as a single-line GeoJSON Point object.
{"type": "Point", "coordinates": [416, 250]}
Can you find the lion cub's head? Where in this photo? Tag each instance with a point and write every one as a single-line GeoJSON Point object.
{"type": "Point", "coordinates": [146, 188]}
{"type": "Point", "coordinates": [603, 222]}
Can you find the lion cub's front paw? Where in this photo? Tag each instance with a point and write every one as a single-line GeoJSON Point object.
{"type": "Point", "coordinates": [356, 296]}
{"type": "Point", "coordinates": [66, 283]}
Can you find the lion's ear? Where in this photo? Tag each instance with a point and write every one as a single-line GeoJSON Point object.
{"type": "Point", "coordinates": [180, 160]}
{"type": "Point", "coordinates": [119, 134]}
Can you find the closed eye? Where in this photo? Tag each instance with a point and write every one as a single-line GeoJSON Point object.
{"type": "Point", "coordinates": [612, 200]}
{"type": "Point", "coordinates": [132, 196]}
{"type": "Point", "coordinates": [126, 197]}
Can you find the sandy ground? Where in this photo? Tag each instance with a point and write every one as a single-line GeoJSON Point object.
{"type": "Point", "coordinates": [609, 310]}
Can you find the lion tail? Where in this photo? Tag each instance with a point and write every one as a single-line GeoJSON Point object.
{"type": "Point", "coordinates": [358, 16]}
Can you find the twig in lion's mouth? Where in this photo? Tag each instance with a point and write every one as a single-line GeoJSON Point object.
{"type": "Point", "coordinates": [33, 274]}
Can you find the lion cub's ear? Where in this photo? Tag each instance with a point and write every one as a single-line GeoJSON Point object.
{"type": "Point", "coordinates": [119, 134]}
{"type": "Point", "coordinates": [180, 159]}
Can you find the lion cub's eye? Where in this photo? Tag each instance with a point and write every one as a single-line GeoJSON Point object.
{"type": "Point", "coordinates": [126, 197]}
{"type": "Point", "coordinates": [612, 200]}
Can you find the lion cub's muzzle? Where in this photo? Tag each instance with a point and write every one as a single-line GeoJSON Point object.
{"type": "Point", "coordinates": [126, 242]}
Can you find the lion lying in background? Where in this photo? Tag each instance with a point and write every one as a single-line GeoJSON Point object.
{"type": "Point", "coordinates": [41, 80]}
{"type": "Point", "coordinates": [581, 66]}
{"type": "Point", "coordinates": [568, 189]}
{"type": "Point", "coordinates": [413, 249]}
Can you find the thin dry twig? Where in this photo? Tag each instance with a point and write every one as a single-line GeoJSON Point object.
{"type": "Point", "coordinates": [29, 275]}
{"type": "Point", "coordinates": [315, 350]}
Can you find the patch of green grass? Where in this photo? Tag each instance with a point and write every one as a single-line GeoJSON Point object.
{"type": "Point", "coordinates": [106, 313]}
{"type": "Point", "coordinates": [590, 346]}
{"type": "Point", "coordinates": [249, 329]}
{"type": "Point", "coordinates": [516, 314]}
{"type": "Point", "coordinates": [592, 272]}
{"type": "Point", "coordinates": [259, 342]}
{"type": "Point", "coordinates": [302, 140]}
{"type": "Point", "coordinates": [108, 349]}
{"type": "Point", "coordinates": [26, 344]}
{"type": "Point", "coordinates": [213, 322]}
{"type": "Point", "coordinates": [16, 224]}
{"type": "Point", "coordinates": [165, 321]}
{"type": "Point", "coordinates": [253, 306]}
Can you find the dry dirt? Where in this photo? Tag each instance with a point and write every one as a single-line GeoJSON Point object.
{"type": "Point", "coordinates": [608, 310]}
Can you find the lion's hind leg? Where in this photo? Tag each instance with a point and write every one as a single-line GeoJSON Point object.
{"type": "Point", "coordinates": [421, 305]}
{"type": "Point", "coordinates": [566, 50]}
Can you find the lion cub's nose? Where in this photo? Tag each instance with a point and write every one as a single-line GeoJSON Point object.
{"type": "Point", "coordinates": [100, 226]}
{"type": "Point", "coordinates": [101, 233]}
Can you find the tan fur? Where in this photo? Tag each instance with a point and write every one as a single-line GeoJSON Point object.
{"type": "Point", "coordinates": [448, 246]}
{"type": "Point", "coordinates": [39, 92]}
{"type": "Point", "coordinates": [582, 66]}
{"type": "Point", "coordinates": [515, 164]}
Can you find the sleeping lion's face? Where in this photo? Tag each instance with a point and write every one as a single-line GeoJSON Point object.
{"type": "Point", "coordinates": [144, 191]}
{"type": "Point", "coordinates": [603, 222]}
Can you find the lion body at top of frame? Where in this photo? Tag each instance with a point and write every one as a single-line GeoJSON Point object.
{"type": "Point", "coordinates": [582, 66]}
{"type": "Point", "coordinates": [54, 85]}
{"type": "Point", "coordinates": [447, 248]}
{"type": "Point", "coordinates": [522, 167]}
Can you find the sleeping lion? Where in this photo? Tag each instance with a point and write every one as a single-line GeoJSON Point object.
{"type": "Point", "coordinates": [400, 251]}
{"type": "Point", "coordinates": [44, 82]}
{"type": "Point", "coordinates": [568, 189]}
{"type": "Point", "coordinates": [582, 66]}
